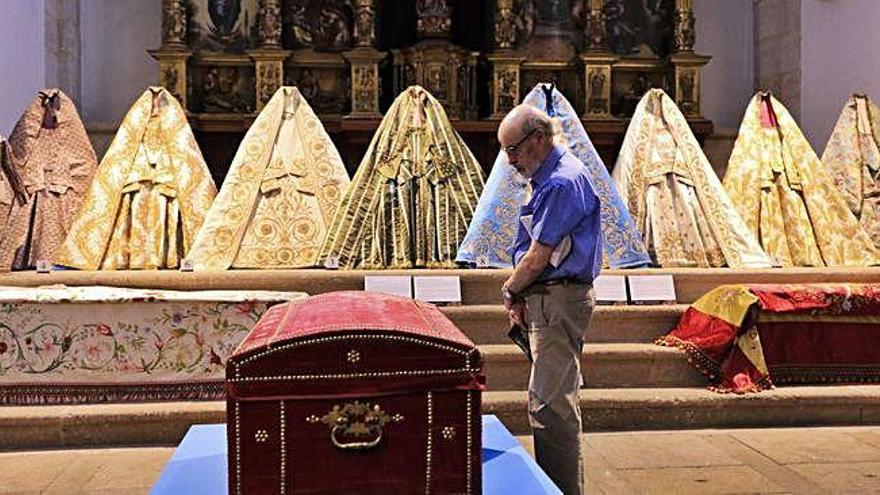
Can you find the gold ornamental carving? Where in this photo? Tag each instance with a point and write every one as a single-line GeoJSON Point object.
{"type": "Point", "coordinates": [434, 18]}
{"type": "Point", "coordinates": [268, 81]}
{"type": "Point", "coordinates": [173, 71]}
{"type": "Point", "coordinates": [364, 82]}
{"type": "Point", "coordinates": [223, 60]}
{"type": "Point", "coordinates": [364, 63]}
{"type": "Point", "coordinates": [356, 425]}
{"type": "Point", "coordinates": [269, 22]}
{"type": "Point", "coordinates": [505, 25]}
{"type": "Point", "coordinates": [598, 79]}
{"type": "Point", "coordinates": [687, 90]}
{"type": "Point", "coordinates": [506, 87]}
{"type": "Point", "coordinates": [505, 84]}
{"type": "Point", "coordinates": [684, 33]}
{"type": "Point", "coordinates": [687, 66]}
{"type": "Point", "coordinates": [172, 76]}
{"type": "Point", "coordinates": [447, 71]}
{"type": "Point", "coordinates": [173, 23]}
{"type": "Point", "coordinates": [594, 31]}
{"type": "Point", "coordinates": [364, 24]}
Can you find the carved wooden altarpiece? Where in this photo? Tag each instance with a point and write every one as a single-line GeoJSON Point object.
{"type": "Point", "coordinates": [223, 59]}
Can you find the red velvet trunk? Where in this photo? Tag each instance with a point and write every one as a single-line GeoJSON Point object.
{"type": "Point", "coordinates": [352, 392]}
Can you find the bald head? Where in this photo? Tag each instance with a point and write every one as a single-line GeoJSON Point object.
{"type": "Point", "coordinates": [526, 135]}
{"type": "Point", "coordinates": [523, 119]}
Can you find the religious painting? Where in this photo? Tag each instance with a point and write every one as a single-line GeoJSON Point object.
{"type": "Point", "coordinates": [548, 29]}
{"type": "Point", "coordinates": [223, 89]}
{"type": "Point", "coordinates": [318, 24]}
{"type": "Point", "coordinates": [327, 89]}
{"type": "Point", "coordinates": [223, 25]}
{"type": "Point", "coordinates": [507, 85]}
{"type": "Point", "coordinates": [639, 28]}
{"type": "Point", "coordinates": [630, 87]}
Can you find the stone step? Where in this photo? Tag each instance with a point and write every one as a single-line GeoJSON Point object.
{"type": "Point", "coordinates": [165, 423]}
{"type": "Point", "coordinates": [479, 286]}
{"type": "Point", "coordinates": [151, 423]}
{"type": "Point", "coordinates": [628, 409]}
{"type": "Point", "coordinates": [487, 323]}
{"type": "Point", "coordinates": [603, 366]}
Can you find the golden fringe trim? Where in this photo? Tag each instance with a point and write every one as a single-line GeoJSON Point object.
{"type": "Point", "coordinates": [763, 384]}
{"type": "Point", "coordinates": [695, 356]}
{"type": "Point", "coordinates": [708, 367]}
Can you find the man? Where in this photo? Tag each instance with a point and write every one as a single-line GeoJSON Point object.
{"type": "Point", "coordinates": [557, 254]}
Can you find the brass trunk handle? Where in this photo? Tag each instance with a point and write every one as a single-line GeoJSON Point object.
{"type": "Point", "coordinates": [356, 419]}
{"type": "Point", "coordinates": [335, 432]}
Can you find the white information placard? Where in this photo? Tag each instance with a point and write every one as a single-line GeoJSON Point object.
{"type": "Point", "coordinates": [438, 289]}
{"type": "Point", "coordinates": [44, 266]}
{"type": "Point", "coordinates": [610, 289]}
{"type": "Point", "coordinates": [396, 285]}
{"type": "Point", "coordinates": [652, 289]}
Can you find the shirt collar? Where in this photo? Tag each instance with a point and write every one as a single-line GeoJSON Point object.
{"type": "Point", "coordinates": [547, 166]}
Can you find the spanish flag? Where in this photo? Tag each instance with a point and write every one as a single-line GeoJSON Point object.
{"type": "Point", "coordinates": [718, 334]}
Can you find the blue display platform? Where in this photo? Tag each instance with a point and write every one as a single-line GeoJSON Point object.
{"type": "Point", "coordinates": [198, 465]}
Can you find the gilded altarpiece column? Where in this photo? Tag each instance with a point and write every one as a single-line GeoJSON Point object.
{"type": "Point", "coordinates": [268, 57]}
{"type": "Point", "coordinates": [364, 83]}
{"type": "Point", "coordinates": [597, 61]}
{"type": "Point", "coordinates": [687, 64]}
{"type": "Point", "coordinates": [445, 69]}
{"type": "Point", "coordinates": [172, 56]}
{"type": "Point", "coordinates": [505, 63]}
{"type": "Point", "coordinates": [364, 61]}
{"type": "Point", "coordinates": [505, 83]}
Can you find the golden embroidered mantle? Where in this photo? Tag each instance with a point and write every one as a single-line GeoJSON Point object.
{"type": "Point", "coordinates": [787, 198]}
{"type": "Point", "coordinates": [149, 196]}
{"type": "Point", "coordinates": [413, 196]}
{"type": "Point", "coordinates": [852, 157]}
{"type": "Point", "coordinates": [279, 196]}
{"type": "Point", "coordinates": [674, 195]}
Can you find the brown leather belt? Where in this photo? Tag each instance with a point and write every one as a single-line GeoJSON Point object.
{"type": "Point", "coordinates": [562, 281]}
{"type": "Point", "coordinates": [541, 287]}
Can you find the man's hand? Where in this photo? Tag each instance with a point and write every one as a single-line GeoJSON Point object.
{"type": "Point", "coordinates": [514, 304]}
{"type": "Point", "coordinates": [529, 267]}
{"type": "Point", "coordinates": [516, 313]}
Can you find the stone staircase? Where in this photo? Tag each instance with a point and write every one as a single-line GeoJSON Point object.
{"type": "Point", "coordinates": [630, 383]}
{"type": "Point", "coordinates": [618, 352]}
{"type": "Point", "coordinates": [633, 384]}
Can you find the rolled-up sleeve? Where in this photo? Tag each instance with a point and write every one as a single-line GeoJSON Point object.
{"type": "Point", "coordinates": [557, 210]}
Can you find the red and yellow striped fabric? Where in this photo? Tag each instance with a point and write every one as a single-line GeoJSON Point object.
{"type": "Point", "coordinates": [740, 335]}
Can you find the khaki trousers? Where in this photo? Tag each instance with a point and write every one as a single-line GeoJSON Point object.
{"type": "Point", "coordinates": [557, 318]}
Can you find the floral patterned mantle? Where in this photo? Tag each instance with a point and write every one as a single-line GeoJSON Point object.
{"type": "Point", "coordinates": [63, 344]}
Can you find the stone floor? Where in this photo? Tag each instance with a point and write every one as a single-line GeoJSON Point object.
{"type": "Point", "coordinates": [793, 460]}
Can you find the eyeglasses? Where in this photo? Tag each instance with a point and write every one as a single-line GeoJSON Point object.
{"type": "Point", "coordinates": [512, 149]}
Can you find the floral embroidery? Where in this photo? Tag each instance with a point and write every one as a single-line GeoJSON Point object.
{"type": "Point", "coordinates": [135, 339]}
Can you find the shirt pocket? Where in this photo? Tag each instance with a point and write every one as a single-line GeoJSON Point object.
{"type": "Point", "coordinates": [526, 222]}
{"type": "Point", "coordinates": [525, 218]}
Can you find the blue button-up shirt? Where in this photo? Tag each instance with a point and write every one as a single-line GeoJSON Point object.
{"type": "Point", "coordinates": [564, 205]}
